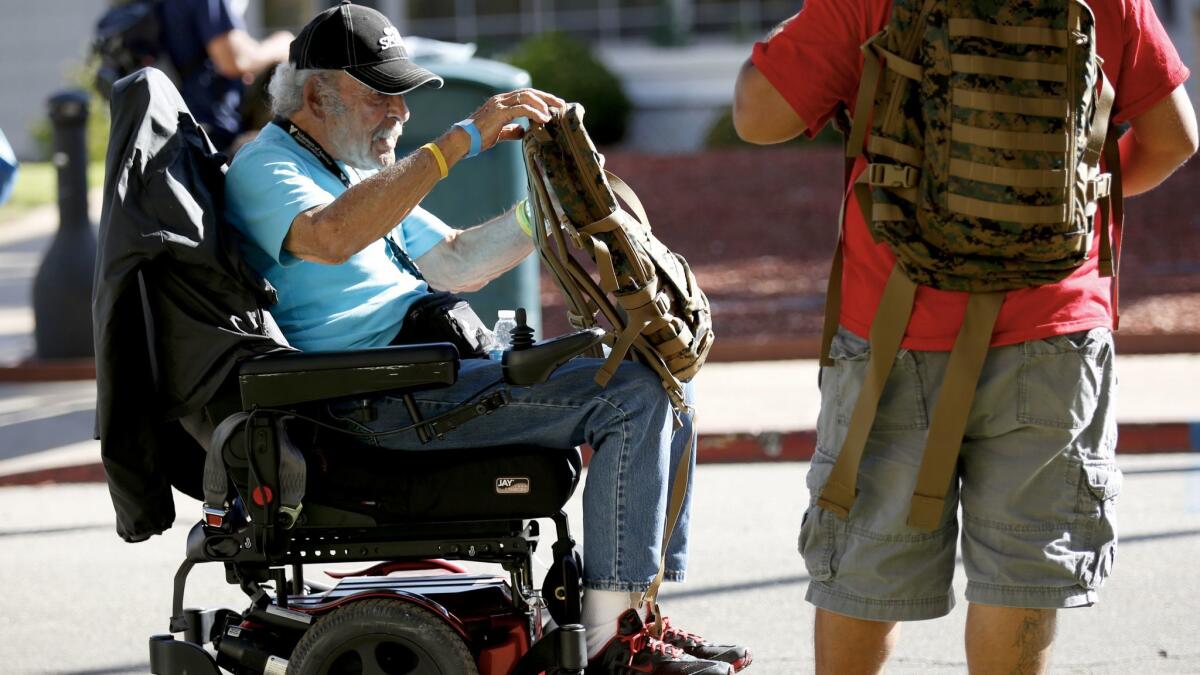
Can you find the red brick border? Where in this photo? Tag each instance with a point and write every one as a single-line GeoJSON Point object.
{"type": "Point", "coordinates": [790, 446]}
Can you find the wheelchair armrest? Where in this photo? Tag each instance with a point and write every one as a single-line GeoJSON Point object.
{"type": "Point", "coordinates": [536, 363]}
{"type": "Point", "coordinates": [297, 377]}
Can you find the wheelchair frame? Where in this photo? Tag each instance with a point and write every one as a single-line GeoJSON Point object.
{"type": "Point", "coordinates": [499, 620]}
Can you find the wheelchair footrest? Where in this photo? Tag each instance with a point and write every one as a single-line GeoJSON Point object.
{"type": "Point", "coordinates": [169, 656]}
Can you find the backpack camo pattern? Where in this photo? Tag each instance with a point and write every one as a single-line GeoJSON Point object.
{"type": "Point", "coordinates": [645, 293]}
{"type": "Point", "coordinates": [987, 126]}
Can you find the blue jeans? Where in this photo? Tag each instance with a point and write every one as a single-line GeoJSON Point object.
{"type": "Point", "coordinates": [631, 426]}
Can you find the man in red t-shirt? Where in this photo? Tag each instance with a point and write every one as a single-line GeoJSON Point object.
{"type": "Point", "coordinates": [1037, 477]}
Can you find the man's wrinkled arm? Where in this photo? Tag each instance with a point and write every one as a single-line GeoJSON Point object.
{"type": "Point", "coordinates": [467, 259]}
{"type": "Point", "coordinates": [366, 212]}
{"type": "Point", "coordinates": [760, 113]}
{"type": "Point", "coordinates": [1160, 141]}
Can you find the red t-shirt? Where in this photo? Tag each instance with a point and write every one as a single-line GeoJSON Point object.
{"type": "Point", "coordinates": [815, 64]}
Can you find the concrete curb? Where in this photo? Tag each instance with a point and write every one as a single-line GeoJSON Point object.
{"type": "Point", "coordinates": [49, 370]}
{"type": "Point", "coordinates": [787, 446]}
{"type": "Point", "coordinates": [726, 350]}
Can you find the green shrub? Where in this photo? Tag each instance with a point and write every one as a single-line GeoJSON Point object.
{"type": "Point", "coordinates": [566, 67]}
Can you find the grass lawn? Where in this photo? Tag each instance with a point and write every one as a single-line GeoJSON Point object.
{"type": "Point", "coordinates": [37, 185]}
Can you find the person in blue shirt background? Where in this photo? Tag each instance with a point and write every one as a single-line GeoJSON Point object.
{"type": "Point", "coordinates": [215, 58]}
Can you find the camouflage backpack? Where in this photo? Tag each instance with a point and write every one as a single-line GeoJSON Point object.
{"type": "Point", "coordinates": [984, 122]}
{"type": "Point", "coordinates": [646, 294]}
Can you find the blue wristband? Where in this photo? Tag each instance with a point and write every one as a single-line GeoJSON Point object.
{"type": "Point", "coordinates": [468, 125]}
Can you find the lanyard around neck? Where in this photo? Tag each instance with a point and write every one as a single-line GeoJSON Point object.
{"type": "Point", "coordinates": [310, 144]}
{"type": "Point", "coordinates": [304, 140]}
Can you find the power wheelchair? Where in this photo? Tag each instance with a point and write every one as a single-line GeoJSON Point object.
{"type": "Point", "coordinates": [283, 489]}
{"type": "Point", "coordinates": [404, 511]}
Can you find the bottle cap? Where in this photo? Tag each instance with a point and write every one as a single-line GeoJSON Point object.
{"type": "Point", "coordinates": [506, 314]}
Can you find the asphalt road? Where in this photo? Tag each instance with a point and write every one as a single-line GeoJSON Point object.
{"type": "Point", "coordinates": [78, 600]}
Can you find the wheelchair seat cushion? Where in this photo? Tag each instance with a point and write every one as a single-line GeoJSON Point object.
{"type": "Point", "coordinates": [396, 486]}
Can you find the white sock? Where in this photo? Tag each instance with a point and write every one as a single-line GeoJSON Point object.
{"type": "Point", "coordinates": [601, 609]}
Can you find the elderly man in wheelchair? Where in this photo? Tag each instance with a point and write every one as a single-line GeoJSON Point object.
{"type": "Point", "coordinates": [364, 426]}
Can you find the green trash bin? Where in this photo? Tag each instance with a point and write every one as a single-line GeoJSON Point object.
{"type": "Point", "coordinates": [481, 187]}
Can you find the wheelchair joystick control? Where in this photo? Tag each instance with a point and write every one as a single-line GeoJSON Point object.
{"type": "Point", "coordinates": [522, 335]}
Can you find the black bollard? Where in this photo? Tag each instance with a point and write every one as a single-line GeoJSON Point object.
{"type": "Point", "coordinates": [62, 289]}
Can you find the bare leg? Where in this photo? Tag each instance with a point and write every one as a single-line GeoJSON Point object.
{"type": "Point", "coordinates": [848, 646]}
{"type": "Point", "coordinates": [1009, 640]}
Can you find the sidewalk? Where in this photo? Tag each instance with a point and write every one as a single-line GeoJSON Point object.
{"type": "Point", "coordinates": [748, 411]}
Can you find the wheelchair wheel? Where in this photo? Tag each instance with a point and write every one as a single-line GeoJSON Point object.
{"type": "Point", "coordinates": [381, 637]}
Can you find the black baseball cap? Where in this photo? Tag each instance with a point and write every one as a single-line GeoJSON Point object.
{"type": "Point", "coordinates": [362, 42]}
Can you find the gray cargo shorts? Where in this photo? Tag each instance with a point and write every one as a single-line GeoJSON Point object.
{"type": "Point", "coordinates": [1037, 478]}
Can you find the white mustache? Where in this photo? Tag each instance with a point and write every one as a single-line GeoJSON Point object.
{"type": "Point", "coordinates": [390, 133]}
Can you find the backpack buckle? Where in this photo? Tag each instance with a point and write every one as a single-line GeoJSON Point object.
{"type": "Point", "coordinates": [1099, 187]}
{"type": "Point", "coordinates": [892, 175]}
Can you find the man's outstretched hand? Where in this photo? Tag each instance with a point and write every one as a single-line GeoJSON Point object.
{"type": "Point", "coordinates": [496, 118]}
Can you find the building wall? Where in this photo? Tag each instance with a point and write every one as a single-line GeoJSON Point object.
{"type": "Point", "coordinates": [40, 44]}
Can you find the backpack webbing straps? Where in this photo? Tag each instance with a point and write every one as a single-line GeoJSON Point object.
{"type": "Point", "coordinates": [674, 508]}
{"type": "Point", "coordinates": [887, 331]}
{"type": "Point", "coordinates": [833, 287]}
{"type": "Point", "coordinates": [833, 302]}
{"type": "Point", "coordinates": [1110, 253]}
{"type": "Point", "coordinates": [949, 421]}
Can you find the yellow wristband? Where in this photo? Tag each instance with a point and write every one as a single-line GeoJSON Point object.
{"type": "Point", "coordinates": [437, 154]}
{"type": "Point", "coordinates": [522, 215]}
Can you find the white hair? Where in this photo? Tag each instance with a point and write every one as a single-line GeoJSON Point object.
{"type": "Point", "coordinates": [287, 89]}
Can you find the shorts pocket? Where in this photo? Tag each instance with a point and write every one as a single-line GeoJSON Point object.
{"type": "Point", "coordinates": [1100, 483]}
{"type": "Point", "coordinates": [816, 543]}
{"type": "Point", "coordinates": [1063, 378]}
{"type": "Point", "coordinates": [902, 405]}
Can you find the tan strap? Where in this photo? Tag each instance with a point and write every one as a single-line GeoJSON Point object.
{"type": "Point", "coordinates": [606, 224]}
{"type": "Point", "coordinates": [677, 494]}
{"type": "Point", "coordinates": [866, 201]}
{"type": "Point", "coordinates": [833, 304]}
{"type": "Point", "coordinates": [949, 422]}
{"type": "Point", "coordinates": [641, 297]}
{"type": "Point", "coordinates": [1026, 178]}
{"type": "Point", "coordinates": [1009, 140]}
{"type": "Point", "coordinates": [1011, 213]}
{"type": "Point", "coordinates": [1112, 162]}
{"type": "Point", "coordinates": [1020, 70]}
{"type": "Point", "coordinates": [865, 100]}
{"type": "Point", "coordinates": [899, 64]}
{"type": "Point", "coordinates": [624, 342]}
{"type": "Point", "coordinates": [1028, 35]}
{"type": "Point", "coordinates": [833, 286]}
{"type": "Point", "coordinates": [604, 266]}
{"type": "Point", "coordinates": [905, 154]}
{"type": "Point", "coordinates": [886, 212]}
{"type": "Point", "coordinates": [1004, 103]}
{"type": "Point", "coordinates": [626, 193]}
{"type": "Point", "coordinates": [1099, 130]}
{"type": "Point", "coordinates": [887, 332]}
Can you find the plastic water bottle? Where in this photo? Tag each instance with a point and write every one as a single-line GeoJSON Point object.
{"type": "Point", "coordinates": [506, 321]}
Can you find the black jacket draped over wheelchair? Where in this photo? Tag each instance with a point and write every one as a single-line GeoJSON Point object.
{"type": "Point", "coordinates": [161, 238]}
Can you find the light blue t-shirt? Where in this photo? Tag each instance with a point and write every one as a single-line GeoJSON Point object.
{"type": "Point", "coordinates": [357, 304]}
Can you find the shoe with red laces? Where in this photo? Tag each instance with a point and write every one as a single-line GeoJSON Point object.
{"type": "Point", "coordinates": [735, 655]}
{"type": "Point", "coordinates": [634, 651]}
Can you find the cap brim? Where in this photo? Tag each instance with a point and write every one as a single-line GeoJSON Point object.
{"type": "Point", "coordinates": [398, 76]}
